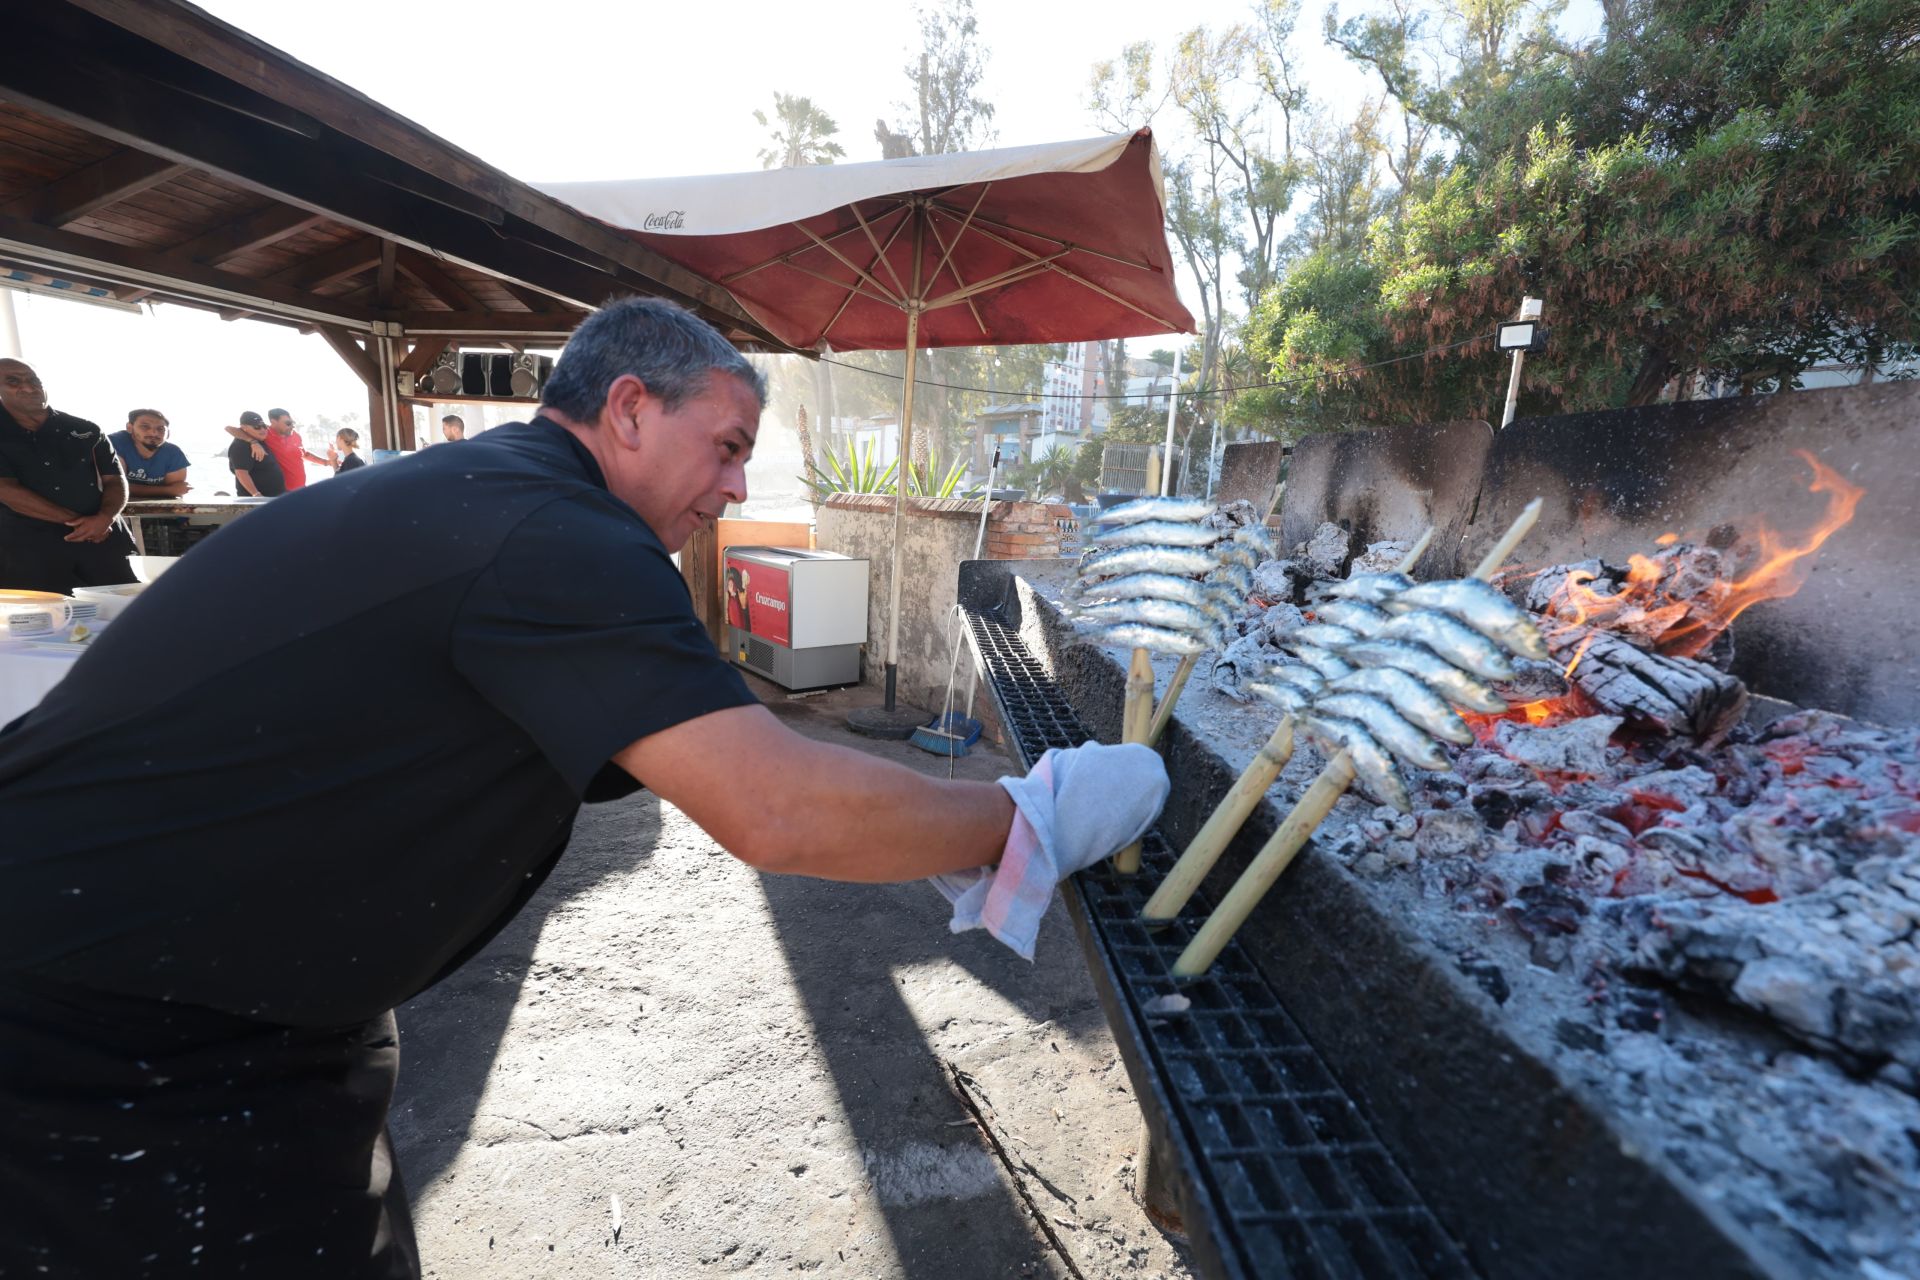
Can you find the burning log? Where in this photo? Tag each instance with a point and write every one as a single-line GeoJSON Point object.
{"type": "Point", "coordinates": [1674, 695]}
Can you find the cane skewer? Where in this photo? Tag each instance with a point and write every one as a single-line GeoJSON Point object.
{"type": "Point", "coordinates": [1311, 810]}
{"type": "Point", "coordinates": [1135, 720]}
{"type": "Point", "coordinates": [1164, 712]}
{"type": "Point", "coordinates": [1238, 804]}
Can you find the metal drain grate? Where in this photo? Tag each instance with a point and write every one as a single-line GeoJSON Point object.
{"type": "Point", "coordinates": [1286, 1177]}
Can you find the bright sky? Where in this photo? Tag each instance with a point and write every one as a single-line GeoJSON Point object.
{"type": "Point", "coordinates": [581, 89]}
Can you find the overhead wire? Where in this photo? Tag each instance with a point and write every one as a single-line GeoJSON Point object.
{"type": "Point", "coordinates": [1185, 395]}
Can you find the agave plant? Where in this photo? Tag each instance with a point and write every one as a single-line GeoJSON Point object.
{"type": "Point", "coordinates": [859, 473]}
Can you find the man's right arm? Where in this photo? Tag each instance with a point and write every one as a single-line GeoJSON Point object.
{"type": "Point", "coordinates": [22, 501]}
{"type": "Point", "coordinates": [782, 802]}
{"type": "Point", "coordinates": [245, 479]}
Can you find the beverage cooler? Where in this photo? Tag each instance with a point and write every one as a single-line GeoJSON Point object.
{"type": "Point", "coordinates": [796, 617]}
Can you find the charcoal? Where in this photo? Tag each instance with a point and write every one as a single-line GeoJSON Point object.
{"type": "Point", "coordinates": [1326, 553]}
{"type": "Point", "coordinates": [1279, 620]}
{"type": "Point", "coordinates": [1578, 746]}
{"type": "Point", "coordinates": [1533, 681]}
{"type": "Point", "coordinates": [1670, 695]}
{"type": "Point", "coordinates": [1380, 557]}
{"type": "Point", "coordinates": [1487, 976]}
{"type": "Point", "coordinates": [1449, 834]}
{"type": "Point", "coordinates": [1546, 909]}
{"type": "Point", "coordinates": [1278, 581]}
{"type": "Point", "coordinates": [1233, 515]}
{"type": "Point", "coordinates": [1640, 1010]}
{"type": "Point", "coordinates": [1578, 1035]}
{"type": "Point", "coordinates": [1243, 660]}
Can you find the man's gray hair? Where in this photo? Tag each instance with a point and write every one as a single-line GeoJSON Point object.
{"type": "Point", "coordinates": [667, 347]}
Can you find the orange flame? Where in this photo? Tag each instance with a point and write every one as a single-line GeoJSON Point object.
{"type": "Point", "coordinates": [1647, 605]}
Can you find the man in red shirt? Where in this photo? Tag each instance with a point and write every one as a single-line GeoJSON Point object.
{"type": "Point", "coordinates": [288, 449]}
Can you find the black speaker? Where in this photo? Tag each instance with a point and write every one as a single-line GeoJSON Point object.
{"type": "Point", "coordinates": [473, 374]}
{"type": "Point", "coordinates": [443, 379]}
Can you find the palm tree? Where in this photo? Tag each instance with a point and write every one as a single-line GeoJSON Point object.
{"type": "Point", "coordinates": [1055, 472]}
{"type": "Point", "coordinates": [801, 135]}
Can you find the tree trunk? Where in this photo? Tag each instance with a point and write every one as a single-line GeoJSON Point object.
{"type": "Point", "coordinates": [1656, 369]}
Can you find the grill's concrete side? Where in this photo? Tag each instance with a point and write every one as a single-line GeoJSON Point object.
{"type": "Point", "coordinates": [1521, 1168]}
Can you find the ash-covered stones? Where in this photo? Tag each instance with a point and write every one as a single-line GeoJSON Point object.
{"type": "Point", "coordinates": [1380, 557]}
{"type": "Point", "coordinates": [1327, 552]}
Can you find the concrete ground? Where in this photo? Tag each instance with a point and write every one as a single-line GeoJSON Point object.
{"type": "Point", "coordinates": [672, 1065]}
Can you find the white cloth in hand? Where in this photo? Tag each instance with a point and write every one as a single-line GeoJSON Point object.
{"type": "Point", "coordinates": [1074, 808]}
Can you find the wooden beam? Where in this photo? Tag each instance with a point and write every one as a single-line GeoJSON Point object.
{"type": "Point", "coordinates": [437, 282]}
{"type": "Point", "coordinates": [480, 323]}
{"type": "Point", "coordinates": [383, 283]}
{"type": "Point", "coordinates": [533, 300]}
{"type": "Point", "coordinates": [337, 264]}
{"type": "Point", "coordinates": [231, 53]}
{"type": "Point", "coordinates": [127, 294]}
{"type": "Point", "coordinates": [424, 353]}
{"type": "Point", "coordinates": [108, 181]}
{"type": "Point", "coordinates": [357, 359]}
{"type": "Point", "coordinates": [121, 264]}
{"type": "Point", "coordinates": [258, 229]}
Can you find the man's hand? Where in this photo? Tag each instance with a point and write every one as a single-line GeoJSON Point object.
{"type": "Point", "coordinates": [93, 528]}
{"type": "Point", "coordinates": [259, 454]}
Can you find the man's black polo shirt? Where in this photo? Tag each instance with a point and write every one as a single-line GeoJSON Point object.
{"type": "Point", "coordinates": [61, 462]}
{"type": "Point", "coordinates": [268, 478]}
{"type": "Point", "coordinates": [217, 838]}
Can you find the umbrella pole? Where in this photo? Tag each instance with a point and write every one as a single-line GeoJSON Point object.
{"type": "Point", "coordinates": [900, 503]}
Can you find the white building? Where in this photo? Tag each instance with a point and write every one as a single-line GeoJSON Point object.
{"type": "Point", "coordinates": [1073, 392]}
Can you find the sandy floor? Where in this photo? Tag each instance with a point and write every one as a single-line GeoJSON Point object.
{"type": "Point", "coordinates": [671, 1065]}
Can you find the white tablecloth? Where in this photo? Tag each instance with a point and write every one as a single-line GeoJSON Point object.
{"type": "Point", "coordinates": [28, 671]}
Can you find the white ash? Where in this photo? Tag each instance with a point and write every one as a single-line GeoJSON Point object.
{"type": "Point", "coordinates": [1278, 620]}
{"type": "Point", "coordinates": [1275, 581]}
{"type": "Point", "coordinates": [1326, 553]}
{"type": "Point", "coordinates": [1578, 746]}
{"type": "Point", "coordinates": [1380, 557]}
{"type": "Point", "coordinates": [1243, 660]}
{"type": "Point", "coordinates": [1233, 515]}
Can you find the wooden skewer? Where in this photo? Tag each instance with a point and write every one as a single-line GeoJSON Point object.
{"type": "Point", "coordinates": [1238, 804]}
{"type": "Point", "coordinates": [1265, 868]}
{"type": "Point", "coordinates": [1313, 807]}
{"type": "Point", "coordinates": [1164, 713]}
{"type": "Point", "coordinates": [1136, 718]}
{"type": "Point", "coordinates": [1490, 564]}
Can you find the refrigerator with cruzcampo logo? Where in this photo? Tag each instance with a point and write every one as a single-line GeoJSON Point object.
{"type": "Point", "coordinates": [796, 617]}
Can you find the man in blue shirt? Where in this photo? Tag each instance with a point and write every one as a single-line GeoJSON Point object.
{"type": "Point", "coordinates": [156, 467]}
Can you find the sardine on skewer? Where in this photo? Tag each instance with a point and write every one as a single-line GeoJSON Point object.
{"type": "Point", "coordinates": [1424, 708]}
{"type": "Point", "coordinates": [1355, 615]}
{"type": "Point", "coordinates": [1321, 635]}
{"type": "Point", "coordinates": [1330, 665]}
{"type": "Point", "coordinates": [1303, 678]}
{"type": "Point", "coordinates": [1135, 635]}
{"type": "Point", "coordinates": [1289, 698]}
{"type": "Point", "coordinates": [1231, 552]}
{"type": "Point", "coordinates": [1183, 510]}
{"type": "Point", "coordinates": [1372, 588]}
{"type": "Point", "coordinates": [1458, 643]}
{"type": "Point", "coordinates": [1155, 586]}
{"type": "Point", "coordinates": [1170, 614]}
{"type": "Point", "coordinates": [1256, 537]}
{"type": "Point", "coordinates": [1164, 533]}
{"type": "Point", "coordinates": [1478, 605]}
{"type": "Point", "coordinates": [1385, 726]}
{"type": "Point", "coordinates": [1432, 670]}
{"type": "Point", "coordinates": [1173, 560]}
{"type": "Point", "coordinates": [1237, 578]}
{"type": "Point", "coordinates": [1371, 763]}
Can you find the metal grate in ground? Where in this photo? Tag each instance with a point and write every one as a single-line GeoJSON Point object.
{"type": "Point", "coordinates": [1295, 1179]}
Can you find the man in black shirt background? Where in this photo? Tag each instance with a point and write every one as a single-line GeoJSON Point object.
{"type": "Point", "coordinates": [197, 1048]}
{"type": "Point", "coordinates": [256, 472]}
{"type": "Point", "coordinates": [61, 493]}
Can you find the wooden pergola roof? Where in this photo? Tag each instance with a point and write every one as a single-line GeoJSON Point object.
{"type": "Point", "coordinates": [150, 149]}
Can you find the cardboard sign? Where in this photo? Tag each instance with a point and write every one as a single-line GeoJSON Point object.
{"type": "Point", "coordinates": [758, 600]}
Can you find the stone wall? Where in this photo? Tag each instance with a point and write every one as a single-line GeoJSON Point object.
{"type": "Point", "coordinates": [938, 534]}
